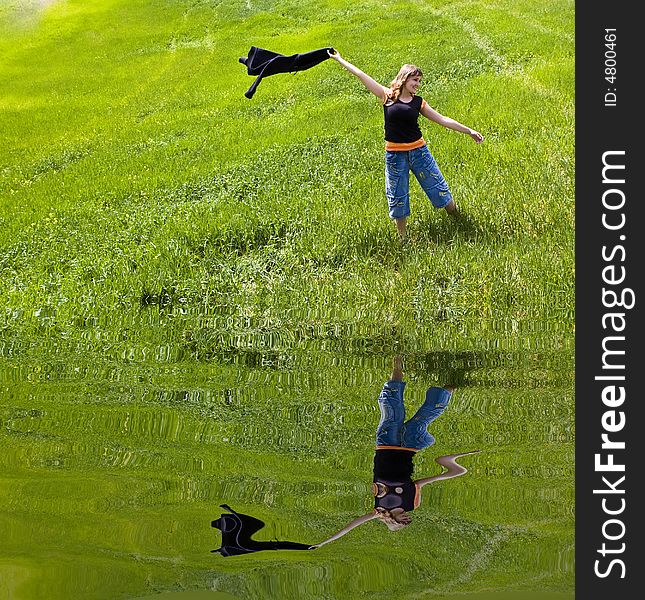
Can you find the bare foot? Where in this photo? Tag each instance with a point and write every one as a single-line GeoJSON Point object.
{"type": "Point", "coordinates": [452, 209]}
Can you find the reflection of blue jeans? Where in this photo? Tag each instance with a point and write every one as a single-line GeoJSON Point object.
{"type": "Point", "coordinates": [393, 431]}
{"type": "Point", "coordinates": [398, 165]}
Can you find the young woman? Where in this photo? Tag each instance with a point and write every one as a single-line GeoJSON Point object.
{"type": "Point", "coordinates": [405, 148]}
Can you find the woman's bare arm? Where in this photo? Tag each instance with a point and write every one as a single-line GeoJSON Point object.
{"type": "Point", "coordinates": [450, 462]}
{"type": "Point", "coordinates": [355, 523]}
{"type": "Point", "coordinates": [433, 115]}
{"type": "Point", "coordinates": [373, 86]}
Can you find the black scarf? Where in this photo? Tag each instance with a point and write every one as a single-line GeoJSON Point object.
{"type": "Point", "coordinates": [263, 63]}
{"type": "Point", "coordinates": [237, 530]}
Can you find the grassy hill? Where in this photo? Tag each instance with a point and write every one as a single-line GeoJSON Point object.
{"type": "Point", "coordinates": [200, 296]}
{"type": "Point", "coordinates": [135, 174]}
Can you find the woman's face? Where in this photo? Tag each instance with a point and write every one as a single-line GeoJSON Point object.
{"type": "Point", "coordinates": [412, 84]}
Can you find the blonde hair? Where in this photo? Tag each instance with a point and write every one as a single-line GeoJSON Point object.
{"type": "Point", "coordinates": [395, 525]}
{"type": "Point", "coordinates": [392, 521]}
{"type": "Point", "coordinates": [399, 81]}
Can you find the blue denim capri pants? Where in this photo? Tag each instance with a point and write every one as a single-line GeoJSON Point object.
{"type": "Point", "coordinates": [398, 165]}
{"type": "Point", "coordinates": [394, 430]}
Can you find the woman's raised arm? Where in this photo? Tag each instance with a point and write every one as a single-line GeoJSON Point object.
{"type": "Point", "coordinates": [355, 523]}
{"type": "Point", "coordinates": [373, 86]}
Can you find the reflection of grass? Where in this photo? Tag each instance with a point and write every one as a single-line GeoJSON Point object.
{"type": "Point", "coordinates": [130, 464]}
{"type": "Point", "coordinates": [136, 173]}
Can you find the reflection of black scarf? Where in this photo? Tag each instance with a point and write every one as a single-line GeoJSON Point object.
{"type": "Point", "coordinates": [263, 63]}
{"type": "Point", "coordinates": [237, 530]}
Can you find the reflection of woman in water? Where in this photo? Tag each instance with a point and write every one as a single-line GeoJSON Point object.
{"type": "Point", "coordinates": [397, 442]}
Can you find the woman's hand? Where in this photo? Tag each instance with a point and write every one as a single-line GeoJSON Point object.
{"type": "Point", "coordinates": [333, 53]}
{"type": "Point", "coordinates": [478, 137]}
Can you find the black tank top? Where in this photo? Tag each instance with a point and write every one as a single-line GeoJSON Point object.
{"type": "Point", "coordinates": [401, 121]}
{"type": "Point", "coordinates": [393, 485]}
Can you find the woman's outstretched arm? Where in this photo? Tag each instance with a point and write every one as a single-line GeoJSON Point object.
{"type": "Point", "coordinates": [450, 462]}
{"type": "Point", "coordinates": [433, 115]}
{"type": "Point", "coordinates": [355, 523]}
{"type": "Point", "coordinates": [373, 86]}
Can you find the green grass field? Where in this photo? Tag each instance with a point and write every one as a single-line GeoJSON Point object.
{"type": "Point", "coordinates": [199, 291]}
{"type": "Point", "coordinates": [135, 174]}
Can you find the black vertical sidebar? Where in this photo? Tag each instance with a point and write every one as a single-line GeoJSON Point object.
{"type": "Point", "coordinates": [610, 262]}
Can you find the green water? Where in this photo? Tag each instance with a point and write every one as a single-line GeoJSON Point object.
{"type": "Point", "coordinates": [113, 470]}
